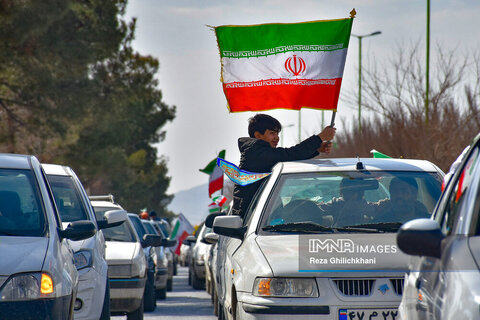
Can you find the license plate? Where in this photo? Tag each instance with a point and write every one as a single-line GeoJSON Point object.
{"type": "Point", "coordinates": [368, 314]}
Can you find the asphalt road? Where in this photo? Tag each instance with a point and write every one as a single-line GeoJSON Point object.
{"type": "Point", "coordinates": [182, 303]}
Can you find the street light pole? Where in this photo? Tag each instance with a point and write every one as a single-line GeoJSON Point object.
{"type": "Point", "coordinates": [360, 37]}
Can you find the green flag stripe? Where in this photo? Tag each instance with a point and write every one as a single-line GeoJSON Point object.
{"type": "Point", "coordinates": [327, 33]}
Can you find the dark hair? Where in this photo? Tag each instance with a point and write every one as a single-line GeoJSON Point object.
{"type": "Point", "coordinates": [153, 213]}
{"type": "Point", "coordinates": [262, 122]}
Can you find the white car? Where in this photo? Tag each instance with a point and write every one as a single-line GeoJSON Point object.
{"type": "Point", "coordinates": [127, 267]}
{"type": "Point", "coordinates": [93, 295]}
{"type": "Point", "coordinates": [196, 265]}
{"type": "Point", "coordinates": [38, 278]}
{"type": "Point", "coordinates": [319, 240]}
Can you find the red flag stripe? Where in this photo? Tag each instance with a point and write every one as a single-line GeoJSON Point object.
{"type": "Point", "coordinates": [258, 98]}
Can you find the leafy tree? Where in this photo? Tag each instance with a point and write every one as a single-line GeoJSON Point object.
{"type": "Point", "coordinates": [73, 91]}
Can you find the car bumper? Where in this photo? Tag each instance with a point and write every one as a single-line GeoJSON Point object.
{"type": "Point", "coordinates": [91, 292]}
{"type": "Point", "coordinates": [253, 307]}
{"type": "Point", "coordinates": [55, 309]}
{"type": "Point", "coordinates": [126, 294]}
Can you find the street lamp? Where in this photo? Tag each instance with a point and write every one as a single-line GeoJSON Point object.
{"type": "Point", "coordinates": [281, 132]}
{"type": "Point", "coordinates": [360, 72]}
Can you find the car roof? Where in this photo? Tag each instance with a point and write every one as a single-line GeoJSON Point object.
{"type": "Point", "coordinates": [105, 204]}
{"type": "Point", "coordinates": [350, 164]}
{"type": "Point", "coordinates": [56, 169]}
{"type": "Point", "coordinates": [15, 161]}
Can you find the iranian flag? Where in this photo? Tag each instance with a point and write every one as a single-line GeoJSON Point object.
{"type": "Point", "coordinates": [283, 65]}
{"type": "Point", "coordinates": [215, 181]}
{"type": "Point", "coordinates": [181, 230]}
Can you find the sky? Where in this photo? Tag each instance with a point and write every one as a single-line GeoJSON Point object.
{"type": "Point", "coordinates": [176, 32]}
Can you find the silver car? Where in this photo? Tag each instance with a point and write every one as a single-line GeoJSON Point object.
{"type": "Point", "coordinates": [38, 278]}
{"type": "Point", "coordinates": [443, 281]}
{"type": "Point", "coordinates": [319, 240]}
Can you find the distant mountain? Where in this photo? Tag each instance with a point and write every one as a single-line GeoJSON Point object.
{"type": "Point", "coordinates": [193, 203]}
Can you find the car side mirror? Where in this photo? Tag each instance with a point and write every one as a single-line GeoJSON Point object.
{"type": "Point", "coordinates": [151, 240]}
{"type": "Point", "coordinates": [421, 237]}
{"type": "Point", "coordinates": [78, 230]}
{"type": "Point", "coordinates": [189, 240]}
{"type": "Point", "coordinates": [211, 217]}
{"type": "Point", "coordinates": [168, 243]}
{"type": "Point", "coordinates": [230, 226]}
{"type": "Point", "coordinates": [211, 238]}
{"type": "Point", "coordinates": [113, 218]}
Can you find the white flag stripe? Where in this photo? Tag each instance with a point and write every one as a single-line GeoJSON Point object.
{"type": "Point", "coordinates": [318, 65]}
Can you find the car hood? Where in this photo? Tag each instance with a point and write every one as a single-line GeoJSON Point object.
{"type": "Point", "coordinates": [24, 254]}
{"type": "Point", "coordinates": [285, 259]}
{"type": "Point", "coordinates": [117, 251]}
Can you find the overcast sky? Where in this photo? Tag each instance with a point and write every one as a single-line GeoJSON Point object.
{"type": "Point", "coordinates": [176, 33]}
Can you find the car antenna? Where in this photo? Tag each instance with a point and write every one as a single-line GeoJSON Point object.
{"type": "Point", "coordinates": [360, 164]}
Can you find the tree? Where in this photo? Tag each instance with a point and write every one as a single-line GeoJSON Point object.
{"type": "Point", "coordinates": [74, 92]}
{"type": "Point", "coordinates": [395, 94]}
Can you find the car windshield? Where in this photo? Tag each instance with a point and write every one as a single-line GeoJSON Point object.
{"type": "Point", "coordinates": [21, 212]}
{"type": "Point", "coordinates": [350, 201]}
{"type": "Point", "coordinates": [67, 198]}
{"type": "Point", "coordinates": [122, 233]}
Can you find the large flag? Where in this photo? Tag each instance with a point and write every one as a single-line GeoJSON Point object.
{"type": "Point", "coordinates": [215, 181]}
{"type": "Point", "coordinates": [283, 65]}
{"type": "Point", "coordinates": [181, 230]}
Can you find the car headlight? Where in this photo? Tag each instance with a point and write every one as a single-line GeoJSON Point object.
{"type": "Point", "coordinates": [83, 259]}
{"type": "Point", "coordinates": [28, 287]}
{"type": "Point", "coordinates": [285, 287]}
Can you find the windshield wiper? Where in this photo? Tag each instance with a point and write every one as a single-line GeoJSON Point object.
{"type": "Point", "coordinates": [303, 227]}
{"type": "Point", "coordinates": [378, 227]}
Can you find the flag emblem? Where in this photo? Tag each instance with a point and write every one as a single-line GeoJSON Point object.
{"type": "Point", "coordinates": [295, 65]}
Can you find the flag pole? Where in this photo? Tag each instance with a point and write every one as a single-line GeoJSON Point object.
{"type": "Point", "coordinates": [332, 122]}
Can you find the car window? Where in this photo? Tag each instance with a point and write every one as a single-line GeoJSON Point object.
{"type": "Point", "coordinates": [457, 197]}
{"type": "Point", "coordinates": [21, 211]}
{"type": "Point", "coordinates": [150, 228]}
{"type": "Point", "coordinates": [139, 227]}
{"type": "Point", "coordinates": [253, 203]}
{"type": "Point", "coordinates": [339, 199]}
{"type": "Point", "coordinates": [67, 198]}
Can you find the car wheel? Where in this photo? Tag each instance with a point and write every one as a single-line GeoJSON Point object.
{"type": "Point", "coordinates": [149, 296]}
{"type": "Point", "coordinates": [162, 293]}
{"type": "Point", "coordinates": [136, 314]}
{"type": "Point", "coordinates": [174, 268]}
{"type": "Point", "coordinates": [169, 285]}
{"type": "Point", "coordinates": [215, 302]}
{"type": "Point", "coordinates": [105, 315]}
{"type": "Point", "coordinates": [221, 314]}
{"type": "Point", "coordinates": [197, 283]}
{"type": "Point", "coordinates": [189, 276]}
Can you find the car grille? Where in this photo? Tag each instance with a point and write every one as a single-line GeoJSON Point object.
{"type": "Point", "coordinates": [120, 271]}
{"type": "Point", "coordinates": [397, 285]}
{"type": "Point", "coordinates": [355, 287]}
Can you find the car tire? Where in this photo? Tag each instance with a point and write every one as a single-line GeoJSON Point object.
{"type": "Point", "coordinates": [174, 268]}
{"type": "Point", "coordinates": [169, 285]}
{"type": "Point", "coordinates": [150, 300]}
{"type": "Point", "coordinates": [136, 314]}
{"type": "Point", "coordinates": [161, 294]}
{"type": "Point", "coordinates": [189, 276]}
{"type": "Point", "coordinates": [197, 283]}
{"type": "Point", "coordinates": [215, 302]}
{"type": "Point", "coordinates": [105, 315]}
